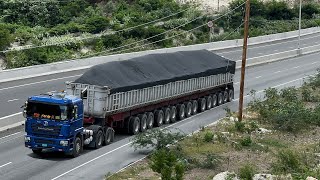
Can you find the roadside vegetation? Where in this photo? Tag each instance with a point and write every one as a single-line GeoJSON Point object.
{"type": "Point", "coordinates": [83, 28]}
{"type": "Point", "coordinates": [279, 135]}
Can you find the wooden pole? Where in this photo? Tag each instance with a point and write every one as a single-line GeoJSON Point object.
{"type": "Point", "coordinates": [244, 57]}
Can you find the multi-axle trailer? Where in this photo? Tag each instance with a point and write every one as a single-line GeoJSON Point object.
{"type": "Point", "coordinates": [133, 95]}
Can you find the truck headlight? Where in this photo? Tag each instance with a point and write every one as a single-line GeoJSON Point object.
{"type": "Point", "coordinates": [27, 139]}
{"type": "Point", "coordinates": [64, 143]}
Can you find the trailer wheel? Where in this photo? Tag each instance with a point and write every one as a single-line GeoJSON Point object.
{"type": "Point", "coordinates": [231, 95]}
{"type": "Point", "coordinates": [143, 122]}
{"type": "Point", "coordinates": [150, 120]}
{"type": "Point", "coordinates": [214, 100]}
{"type": "Point", "coordinates": [181, 111]}
{"type": "Point", "coordinates": [109, 136]}
{"type": "Point", "coordinates": [225, 96]}
{"type": "Point", "coordinates": [37, 151]}
{"type": "Point", "coordinates": [159, 116]}
{"type": "Point", "coordinates": [76, 147]}
{"type": "Point", "coordinates": [173, 114]}
{"type": "Point", "coordinates": [194, 107]}
{"type": "Point", "coordinates": [209, 102]}
{"type": "Point", "coordinates": [220, 98]}
{"type": "Point", "coordinates": [167, 115]}
{"type": "Point", "coordinates": [134, 126]}
{"type": "Point", "coordinates": [99, 139]}
{"type": "Point", "coordinates": [203, 104]}
{"type": "Point", "coordinates": [188, 109]}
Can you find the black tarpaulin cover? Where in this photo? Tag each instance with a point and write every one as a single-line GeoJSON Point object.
{"type": "Point", "coordinates": [156, 69]}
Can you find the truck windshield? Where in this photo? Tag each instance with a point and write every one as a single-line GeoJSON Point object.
{"type": "Point", "coordinates": [49, 111]}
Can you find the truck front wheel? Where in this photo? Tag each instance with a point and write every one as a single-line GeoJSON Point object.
{"type": "Point", "coordinates": [76, 147]}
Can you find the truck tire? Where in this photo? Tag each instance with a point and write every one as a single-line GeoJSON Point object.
{"type": "Point", "coordinates": [159, 118]}
{"type": "Point", "coordinates": [134, 125]}
{"type": "Point", "coordinates": [225, 96]}
{"type": "Point", "coordinates": [188, 109]}
{"type": "Point", "coordinates": [203, 104]}
{"type": "Point", "coordinates": [181, 111]}
{"type": "Point", "coordinates": [194, 107]}
{"type": "Point", "coordinates": [220, 98]}
{"type": "Point", "coordinates": [76, 147]}
{"type": "Point", "coordinates": [150, 120]}
{"type": "Point", "coordinates": [143, 122]}
{"type": "Point", "coordinates": [37, 151]}
{"type": "Point", "coordinates": [167, 115]}
{"type": "Point", "coordinates": [231, 95]}
{"type": "Point", "coordinates": [209, 102]}
{"type": "Point", "coordinates": [173, 114]}
{"type": "Point", "coordinates": [109, 136]}
{"type": "Point", "coordinates": [214, 100]}
{"type": "Point", "coordinates": [99, 139]}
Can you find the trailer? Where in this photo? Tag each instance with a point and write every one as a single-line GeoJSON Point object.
{"type": "Point", "coordinates": [130, 95]}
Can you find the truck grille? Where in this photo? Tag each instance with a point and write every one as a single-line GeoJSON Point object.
{"type": "Point", "coordinates": [45, 131]}
{"type": "Point", "coordinates": [43, 141]}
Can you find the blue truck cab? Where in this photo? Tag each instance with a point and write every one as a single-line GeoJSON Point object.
{"type": "Point", "coordinates": [54, 122]}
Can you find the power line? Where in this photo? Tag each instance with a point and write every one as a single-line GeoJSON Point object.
{"type": "Point", "coordinates": [126, 29]}
{"type": "Point", "coordinates": [219, 17]}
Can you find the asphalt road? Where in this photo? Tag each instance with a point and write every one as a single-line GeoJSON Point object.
{"type": "Point", "coordinates": [13, 94]}
{"type": "Point", "coordinates": [18, 162]}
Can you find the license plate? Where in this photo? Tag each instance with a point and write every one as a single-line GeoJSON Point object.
{"type": "Point", "coordinates": [44, 145]}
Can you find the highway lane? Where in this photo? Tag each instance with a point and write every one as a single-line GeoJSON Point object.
{"type": "Point", "coordinates": [13, 94]}
{"type": "Point", "coordinates": [95, 164]}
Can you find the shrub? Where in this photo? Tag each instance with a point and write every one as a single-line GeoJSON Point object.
{"type": "Point", "coordinates": [278, 10]}
{"type": "Point", "coordinates": [246, 141]}
{"type": "Point", "coordinates": [208, 136]}
{"type": "Point", "coordinates": [155, 138]}
{"type": "Point", "coordinates": [247, 172]}
{"type": "Point", "coordinates": [96, 24]}
{"type": "Point", "coordinates": [5, 38]}
{"type": "Point", "coordinates": [166, 163]}
{"type": "Point", "coordinates": [288, 161]}
{"type": "Point", "coordinates": [240, 126]}
{"type": "Point", "coordinates": [211, 161]}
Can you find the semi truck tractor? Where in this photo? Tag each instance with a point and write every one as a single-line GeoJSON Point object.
{"type": "Point", "coordinates": [129, 95]}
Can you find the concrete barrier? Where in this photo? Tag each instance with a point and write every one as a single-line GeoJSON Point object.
{"type": "Point", "coordinates": [72, 65]}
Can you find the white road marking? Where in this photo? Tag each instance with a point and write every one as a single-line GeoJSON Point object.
{"type": "Point", "coordinates": [315, 63]}
{"type": "Point", "coordinates": [254, 47]}
{"type": "Point", "coordinates": [9, 116]}
{"type": "Point", "coordinates": [296, 67]}
{"type": "Point", "coordinates": [10, 135]}
{"type": "Point", "coordinates": [277, 72]}
{"type": "Point", "coordinates": [258, 77]}
{"type": "Point", "coordinates": [13, 100]}
{"type": "Point", "coordinates": [22, 85]}
{"type": "Point", "coordinates": [276, 50]}
{"type": "Point", "coordinates": [5, 164]}
{"type": "Point", "coordinates": [11, 139]}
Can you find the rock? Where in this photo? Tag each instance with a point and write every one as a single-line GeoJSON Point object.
{"type": "Point", "coordinates": [233, 119]}
{"type": "Point", "coordinates": [263, 131]}
{"type": "Point", "coordinates": [225, 175]}
{"type": "Point", "coordinates": [263, 177]}
{"type": "Point", "coordinates": [311, 178]}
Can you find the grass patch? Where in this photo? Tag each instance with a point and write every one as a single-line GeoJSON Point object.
{"type": "Point", "coordinates": [273, 143]}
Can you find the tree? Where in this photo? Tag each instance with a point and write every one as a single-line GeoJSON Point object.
{"type": "Point", "coordinates": [5, 38]}
{"type": "Point", "coordinates": [279, 11]}
{"type": "Point", "coordinates": [309, 10]}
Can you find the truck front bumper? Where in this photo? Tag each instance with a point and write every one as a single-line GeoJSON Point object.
{"type": "Point", "coordinates": [50, 144]}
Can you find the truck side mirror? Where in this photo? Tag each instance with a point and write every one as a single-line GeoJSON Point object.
{"type": "Point", "coordinates": [24, 112]}
{"type": "Point", "coordinates": [75, 112]}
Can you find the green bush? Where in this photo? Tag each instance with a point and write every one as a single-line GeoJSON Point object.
{"type": "Point", "coordinates": [309, 10]}
{"type": "Point", "coordinates": [208, 136]}
{"type": "Point", "coordinates": [5, 38]}
{"type": "Point", "coordinates": [96, 24]}
{"type": "Point", "coordinates": [246, 141]}
{"type": "Point", "coordinates": [247, 172]}
{"type": "Point", "coordinates": [278, 10]}
{"type": "Point", "coordinates": [240, 126]}
{"type": "Point", "coordinates": [211, 161]}
{"type": "Point", "coordinates": [166, 163]}
{"type": "Point", "coordinates": [288, 161]}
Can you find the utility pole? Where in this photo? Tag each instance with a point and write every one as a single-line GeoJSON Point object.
{"type": "Point", "coordinates": [299, 50]}
{"type": "Point", "coordinates": [244, 57]}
